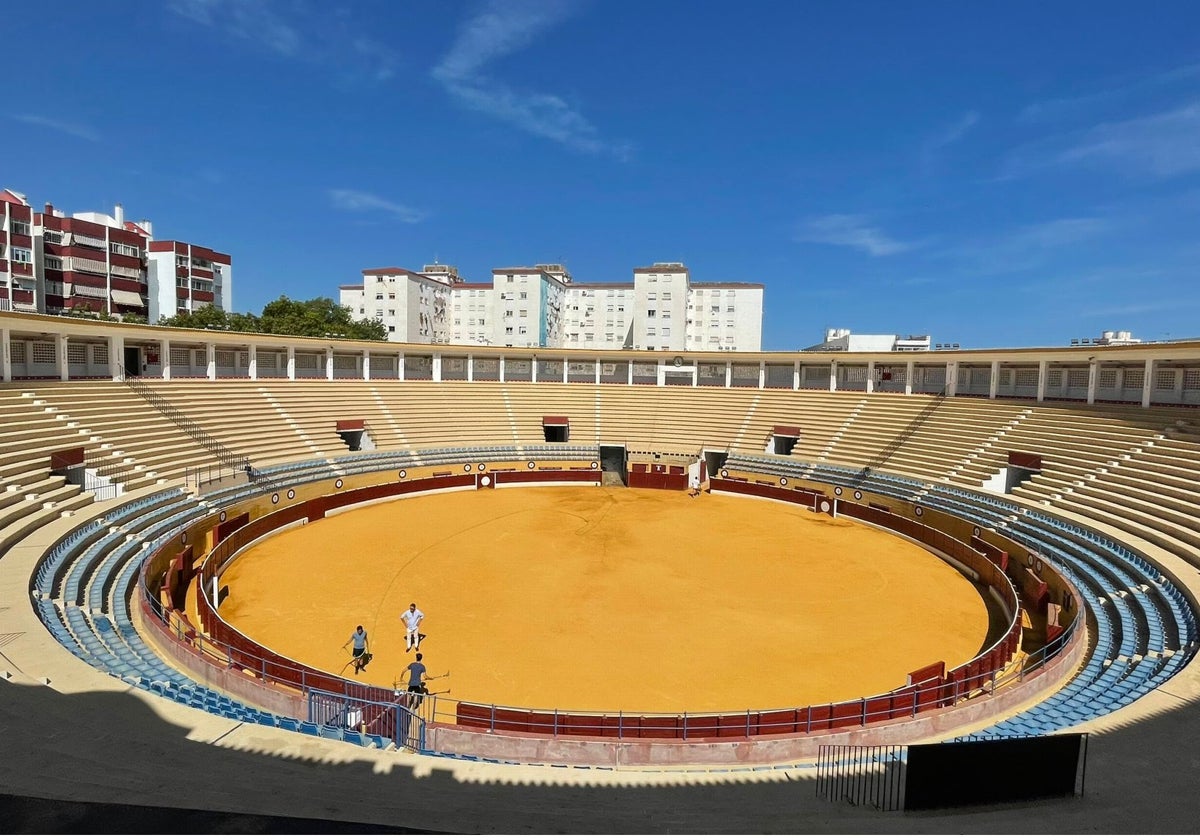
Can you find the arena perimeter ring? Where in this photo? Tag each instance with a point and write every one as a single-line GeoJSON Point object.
{"type": "Point", "coordinates": [612, 599]}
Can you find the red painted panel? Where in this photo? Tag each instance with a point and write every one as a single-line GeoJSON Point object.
{"type": "Point", "coordinates": [350, 425]}
{"type": "Point", "coordinates": [779, 722]}
{"type": "Point", "coordinates": [1025, 460]}
{"type": "Point", "coordinates": [787, 431]}
{"type": "Point", "coordinates": [65, 458]}
{"type": "Point", "coordinates": [703, 726]}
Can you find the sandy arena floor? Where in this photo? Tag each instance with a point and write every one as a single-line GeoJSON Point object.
{"type": "Point", "coordinates": [611, 599]}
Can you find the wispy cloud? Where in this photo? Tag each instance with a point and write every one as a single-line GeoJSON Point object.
{"type": "Point", "coordinates": [502, 28]}
{"type": "Point", "coordinates": [1055, 233]}
{"type": "Point", "coordinates": [1159, 146]}
{"type": "Point", "coordinates": [356, 201]}
{"type": "Point", "coordinates": [83, 132]}
{"type": "Point", "coordinates": [1075, 106]}
{"type": "Point", "coordinates": [850, 231]}
{"type": "Point", "coordinates": [304, 32]}
{"type": "Point", "coordinates": [1162, 145]}
{"type": "Point", "coordinates": [949, 135]}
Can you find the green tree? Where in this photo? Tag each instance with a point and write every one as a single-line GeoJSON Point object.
{"type": "Point", "coordinates": [319, 317]}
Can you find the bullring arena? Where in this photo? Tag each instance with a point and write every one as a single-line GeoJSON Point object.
{"type": "Point", "coordinates": [981, 547]}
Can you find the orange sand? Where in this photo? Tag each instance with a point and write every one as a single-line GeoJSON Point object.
{"type": "Point", "coordinates": [612, 599]}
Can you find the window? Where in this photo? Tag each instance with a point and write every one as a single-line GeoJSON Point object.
{"type": "Point", "coordinates": [21, 255]}
{"type": "Point", "coordinates": [76, 354]}
{"type": "Point", "coordinates": [524, 313]}
{"type": "Point", "coordinates": [524, 295]}
{"type": "Point", "coordinates": [134, 251]}
{"type": "Point", "coordinates": [666, 332]}
{"type": "Point", "coordinates": [652, 295]}
{"type": "Point", "coordinates": [715, 309]}
{"type": "Point", "coordinates": [522, 330]}
{"type": "Point", "coordinates": [1164, 380]}
{"type": "Point", "coordinates": [508, 313]}
{"type": "Point", "coordinates": [378, 313]}
{"type": "Point", "coordinates": [21, 228]}
{"type": "Point", "coordinates": [54, 263]}
{"type": "Point", "coordinates": [589, 337]}
{"type": "Point", "coordinates": [379, 296]}
{"type": "Point", "coordinates": [649, 313]}
{"type": "Point", "coordinates": [666, 295]}
{"type": "Point", "coordinates": [666, 314]}
{"type": "Point", "coordinates": [651, 331]}
{"type": "Point", "coordinates": [52, 237]}
{"type": "Point", "coordinates": [729, 308]}
{"type": "Point", "coordinates": [392, 328]}
{"type": "Point", "coordinates": [508, 330]}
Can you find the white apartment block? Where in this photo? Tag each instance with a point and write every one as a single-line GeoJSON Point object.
{"type": "Point", "coordinates": [414, 307]}
{"type": "Point", "coordinates": [542, 306]}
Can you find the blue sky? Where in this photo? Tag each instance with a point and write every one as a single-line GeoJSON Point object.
{"type": "Point", "coordinates": [1006, 175]}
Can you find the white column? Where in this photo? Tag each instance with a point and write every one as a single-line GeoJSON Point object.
{"type": "Point", "coordinates": [629, 371]}
{"type": "Point", "coordinates": [762, 374]}
{"type": "Point", "coordinates": [597, 363]}
{"type": "Point", "coordinates": [367, 365]}
{"type": "Point", "coordinates": [6, 354]}
{"type": "Point", "coordinates": [211, 349]}
{"type": "Point", "coordinates": [435, 372]}
{"type": "Point", "coordinates": [502, 369]}
{"type": "Point", "coordinates": [116, 356]}
{"type": "Point", "coordinates": [253, 366]}
{"type": "Point", "coordinates": [796, 375]}
{"type": "Point", "coordinates": [164, 354]}
{"type": "Point", "coordinates": [64, 372]}
{"type": "Point", "coordinates": [833, 375]}
{"type": "Point", "coordinates": [533, 371]}
{"type": "Point", "coordinates": [1093, 369]}
{"type": "Point", "coordinates": [728, 374]}
{"type": "Point", "coordinates": [1041, 391]}
{"type": "Point", "coordinates": [871, 377]}
{"type": "Point", "coordinates": [910, 369]}
{"type": "Point", "coordinates": [994, 384]}
{"type": "Point", "coordinates": [951, 379]}
{"type": "Point", "coordinates": [291, 362]}
{"type": "Point", "coordinates": [695, 375]}
{"type": "Point", "coordinates": [565, 365]}
{"type": "Point", "coordinates": [329, 363]}
{"type": "Point", "coordinates": [1147, 383]}
{"type": "Point", "coordinates": [470, 368]}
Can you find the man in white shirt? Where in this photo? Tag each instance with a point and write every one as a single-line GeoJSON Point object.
{"type": "Point", "coordinates": [412, 618]}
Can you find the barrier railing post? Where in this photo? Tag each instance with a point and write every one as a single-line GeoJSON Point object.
{"type": "Point", "coordinates": [685, 726]}
{"type": "Point", "coordinates": [620, 725]}
{"type": "Point", "coordinates": [492, 727]}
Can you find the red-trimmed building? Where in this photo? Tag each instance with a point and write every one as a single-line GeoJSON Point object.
{"type": "Point", "coordinates": [18, 278]}
{"type": "Point", "coordinates": [91, 261]}
{"type": "Point", "coordinates": [54, 264]}
{"type": "Point", "coordinates": [187, 277]}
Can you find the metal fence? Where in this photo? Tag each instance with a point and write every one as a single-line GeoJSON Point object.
{"type": "Point", "coordinates": [400, 720]}
{"type": "Point", "coordinates": [862, 775]}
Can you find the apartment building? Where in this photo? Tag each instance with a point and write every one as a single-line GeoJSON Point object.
{"type": "Point", "coordinates": [183, 277]}
{"type": "Point", "coordinates": [542, 306]}
{"type": "Point", "coordinates": [54, 263]}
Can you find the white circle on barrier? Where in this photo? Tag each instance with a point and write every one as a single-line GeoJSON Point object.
{"type": "Point", "coordinates": [486, 480]}
{"type": "Point", "coordinates": [183, 538]}
{"type": "Point", "coordinates": [837, 491]}
{"type": "Point", "coordinates": [482, 467]}
{"type": "Point", "coordinates": [724, 473]}
{"type": "Point", "coordinates": [274, 498]}
{"type": "Point", "coordinates": [919, 511]}
{"type": "Point", "coordinates": [594, 465]}
{"type": "Point", "coordinates": [783, 482]}
{"type": "Point", "coordinates": [403, 473]}
{"type": "Point", "coordinates": [531, 465]}
{"type": "Point", "coordinates": [466, 467]}
{"type": "Point", "coordinates": [338, 484]}
{"type": "Point", "coordinates": [824, 506]}
{"type": "Point", "coordinates": [975, 531]}
{"type": "Point", "coordinates": [222, 516]}
{"type": "Point", "coordinates": [857, 494]}
{"type": "Point", "coordinates": [291, 494]}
